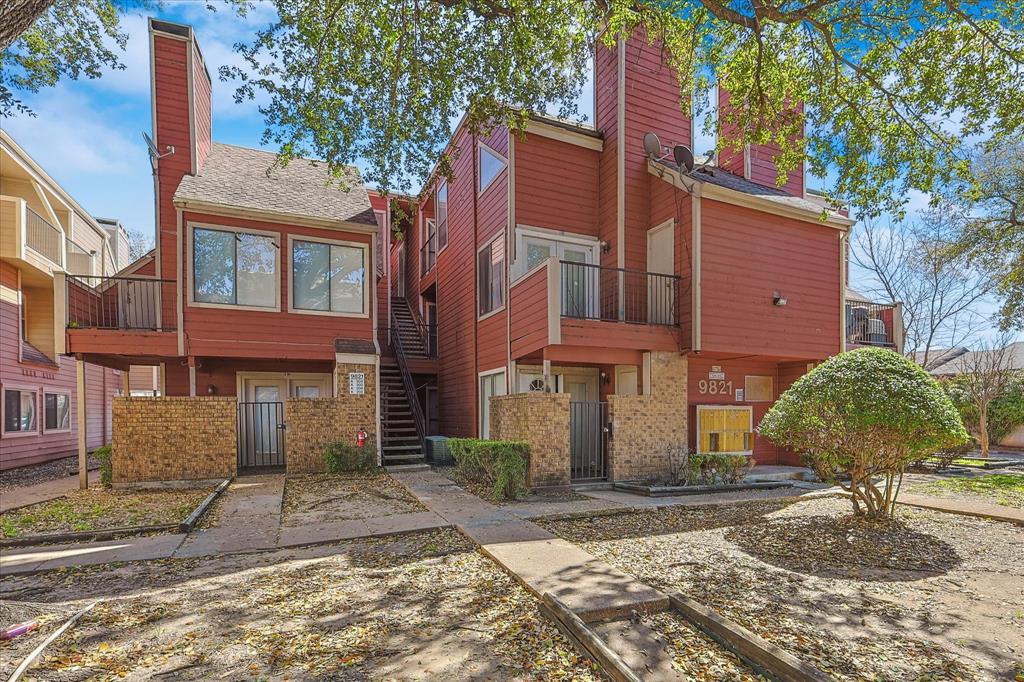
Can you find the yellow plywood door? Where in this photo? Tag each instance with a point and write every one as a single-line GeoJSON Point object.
{"type": "Point", "coordinates": [723, 429]}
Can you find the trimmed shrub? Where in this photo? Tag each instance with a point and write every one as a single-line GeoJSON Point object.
{"type": "Point", "coordinates": [103, 455]}
{"type": "Point", "coordinates": [344, 457]}
{"type": "Point", "coordinates": [500, 464]}
{"type": "Point", "coordinates": [704, 468]}
{"type": "Point", "coordinates": [865, 415]}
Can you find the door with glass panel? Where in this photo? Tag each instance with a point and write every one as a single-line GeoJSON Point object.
{"type": "Point", "coordinates": [578, 276]}
{"type": "Point", "coordinates": [261, 423]}
{"type": "Point", "coordinates": [490, 385]}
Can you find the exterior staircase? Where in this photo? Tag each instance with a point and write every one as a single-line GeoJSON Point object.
{"type": "Point", "coordinates": [400, 442]}
{"type": "Point", "coordinates": [402, 424]}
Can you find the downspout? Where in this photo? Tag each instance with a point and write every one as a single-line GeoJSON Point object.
{"type": "Point", "coordinates": [476, 298]}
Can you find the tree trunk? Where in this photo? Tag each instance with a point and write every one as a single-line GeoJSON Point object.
{"type": "Point", "coordinates": [16, 16]}
{"type": "Point", "coordinates": [983, 428]}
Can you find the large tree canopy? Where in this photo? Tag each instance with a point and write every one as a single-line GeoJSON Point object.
{"type": "Point", "coordinates": [891, 87]}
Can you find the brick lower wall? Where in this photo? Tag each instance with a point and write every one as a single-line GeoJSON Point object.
{"type": "Point", "coordinates": [646, 427]}
{"type": "Point", "coordinates": [542, 420]}
{"type": "Point", "coordinates": [314, 422]}
{"type": "Point", "coordinates": [173, 439]}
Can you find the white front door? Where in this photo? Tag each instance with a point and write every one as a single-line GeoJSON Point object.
{"type": "Point", "coordinates": [661, 260]}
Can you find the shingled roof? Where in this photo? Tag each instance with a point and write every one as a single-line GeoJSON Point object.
{"type": "Point", "coordinates": [238, 177]}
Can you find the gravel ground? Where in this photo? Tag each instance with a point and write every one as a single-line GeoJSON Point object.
{"type": "Point", "coordinates": [41, 473]}
{"type": "Point", "coordinates": [98, 508]}
{"type": "Point", "coordinates": [929, 596]}
{"type": "Point", "coordinates": [422, 606]}
{"type": "Point", "coordinates": [321, 498]}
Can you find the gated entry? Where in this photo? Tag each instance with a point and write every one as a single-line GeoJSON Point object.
{"type": "Point", "coordinates": [261, 438]}
{"type": "Point", "coordinates": [588, 444]}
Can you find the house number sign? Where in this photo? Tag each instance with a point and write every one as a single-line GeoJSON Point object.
{"type": "Point", "coordinates": [712, 387]}
{"type": "Point", "coordinates": [356, 383]}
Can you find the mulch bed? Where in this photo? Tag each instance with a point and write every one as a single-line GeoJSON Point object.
{"type": "Point", "coordinates": [486, 492]}
{"type": "Point", "coordinates": [929, 596]}
{"type": "Point", "coordinates": [41, 473]}
{"type": "Point", "coordinates": [423, 606]}
{"type": "Point", "coordinates": [98, 508]}
{"type": "Point", "coordinates": [320, 498]}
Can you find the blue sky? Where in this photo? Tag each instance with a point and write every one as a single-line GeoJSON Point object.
{"type": "Point", "coordinates": [87, 133]}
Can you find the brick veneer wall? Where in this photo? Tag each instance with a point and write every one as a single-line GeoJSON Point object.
{"type": "Point", "coordinates": [645, 427]}
{"type": "Point", "coordinates": [314, 422]}
{"type": "Point", "coordinates": [542, 420]}
{"type": "Point", "coordinates": [173, 439]}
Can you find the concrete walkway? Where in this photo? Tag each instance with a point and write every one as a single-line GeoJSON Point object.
{"type": "Point", "coordinates": [996, 512]}
{"type": "Point", "coordinates": [250, 521]}
{"type": "Point", "coordinates": [538, 559]}
{"type": "Point", "coordinates": [41, 492]}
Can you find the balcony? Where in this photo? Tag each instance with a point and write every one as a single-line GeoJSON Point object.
{"type": "Point", "coordinates": [29, 239]}
{"type": "Point", "coordinates": [873, 324]}
{"type": "Point", "coordinates": [428, 255]}
{"type": "Point", "coordinates": [576, 311]}
{"type": "Point", "coordinates": [80, 260]}
{"type": "Point", "coordinates": [119, 315]}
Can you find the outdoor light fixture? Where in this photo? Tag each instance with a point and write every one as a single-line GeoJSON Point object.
{"type": "Point", "coordinates": [778, 299]}
{"type": "Point", "coordinates": [606, 246]}
{"type": "Point", "coordinates": [211, 389]}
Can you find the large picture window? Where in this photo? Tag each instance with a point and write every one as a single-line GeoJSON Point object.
{"type": "Point", "coordinates": [56, 412]}
{"type": "Point", "coordinates": [328, 277]}
{"type": "Point", "coordinates": [491, 276]}
{"type": "Point", "coordinates": [234, 268]}
{"type": "Point", "coordinates": [20, 411]}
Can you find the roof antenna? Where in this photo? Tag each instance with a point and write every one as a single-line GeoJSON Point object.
{"type": "Point", "coordinates": [154, 153]}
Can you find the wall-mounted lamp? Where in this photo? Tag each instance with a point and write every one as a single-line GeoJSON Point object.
{"type": "Point", "coordinates": [778, 299]}
{"type": "Point", "coordinates": [211, 389]}
{"type": "Point", "coordinates": [606, 246]}
{"type": "Point", "coordinates": [605, 379]}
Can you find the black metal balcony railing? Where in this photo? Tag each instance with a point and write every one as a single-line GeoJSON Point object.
{"type": "Point", "coordinates": [594, 292]}
{"type": "Point", "coordinates": [870, 324]}
{"type": "Point", "coordinates": [418, 340]}
{"type": "Point", "coordinates": [42, 237]}
{"type": "Point", "coordinates": [117, 303]}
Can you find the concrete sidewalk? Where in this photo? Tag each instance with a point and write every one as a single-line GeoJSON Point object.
{"type": "Point", "coordinates": [41, 492]}
{"type": "Point", "coordinates": [538, 559]}
{"type": "Point", "coordinates": [250, 521]}
{"type": "Point", "coordinates": [995, 512]}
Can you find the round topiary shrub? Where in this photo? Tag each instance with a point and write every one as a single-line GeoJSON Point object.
{"type": "Point", "coordinates": [865, 414]}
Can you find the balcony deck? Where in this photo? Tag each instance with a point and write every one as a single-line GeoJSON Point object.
{"type": "Point", "coordinates": [576, 312]}
{"type": "Point", "coordinates": [873, 324]}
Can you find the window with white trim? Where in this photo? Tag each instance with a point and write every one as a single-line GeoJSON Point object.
{"type": "Point", "coordinates": [328, 277]}
{"type": "Point", "coordinates": [56, 411]}
{"type": "Point", "coordinates": [491, 385]}
{"type": "Point", "coordinates": [20, 410]}
{"type": "Point", "coordinates": [491, 166]}
{"type": "Point", "coordinates": [441, 215]}
{"type": "Point", "coordinates": [491, 275]}
{"type": "Point", "coordinates": [234, 268]}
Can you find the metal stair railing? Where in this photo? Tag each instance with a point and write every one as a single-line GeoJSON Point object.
{"type": "Point", "coordinates": [410, 388]}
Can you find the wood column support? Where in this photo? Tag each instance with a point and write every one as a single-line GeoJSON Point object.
{"type": "Point", "coordinates": [83, 467]}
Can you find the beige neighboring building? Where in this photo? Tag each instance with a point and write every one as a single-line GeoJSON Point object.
{"type": "Point", "coordinates": [44, 235]}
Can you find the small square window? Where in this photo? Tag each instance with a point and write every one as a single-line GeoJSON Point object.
{"type": "Point", "coordinates": [56, 412]}
{"type": "Point", "coordinates": [20, 411]}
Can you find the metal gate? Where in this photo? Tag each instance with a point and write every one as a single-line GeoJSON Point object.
{"type": "Point", "coordinates": [260, 435]}
{"type": "Point", "coordinates": [588, 434]}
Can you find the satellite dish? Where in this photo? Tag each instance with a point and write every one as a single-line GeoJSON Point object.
{"type": "Point", "coordinates": [683, 156]}
{"type": "Point", "coordinates": [652, 145]}
{"type": "Point", "coordinates": [153, 151]}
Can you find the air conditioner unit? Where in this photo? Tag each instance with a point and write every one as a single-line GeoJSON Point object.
{"type": "Point", "coordinates": [437, 450]}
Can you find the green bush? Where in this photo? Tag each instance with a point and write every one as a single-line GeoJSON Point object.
{"type": "Point", "coordinates": [711, 468]}
{"type": "Point", "coordinates": [865, 414]}
{"type": "Point", "coordinates": [103, 455]}
{"type": "Point", "coordinates": [344, 457]}
{"type": "Point", "coordinates": [500, 464]}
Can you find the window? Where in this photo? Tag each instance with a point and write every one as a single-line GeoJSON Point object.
{"type": "Point", "coordinates": [491, 276]}
{"type": "Point", "coordinates": [234, 268]}
{"type": "Point", "coordinates": [56, 412]}
{"type": "Point", "coordinates": [441, 213]}
{"type": "Point", "coordinates": [328, 277]}
{"type": "Point", "coordinates": [491, 384]}
{"type": "Point", "coordinates": [491, 164]}
{"type": "Point", "coordinates": [19, 411]}
{"type": "Point", "coordinates": [428, 252]}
